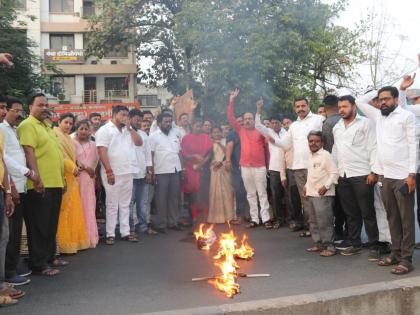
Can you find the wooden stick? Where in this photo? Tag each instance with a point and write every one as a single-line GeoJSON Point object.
{"type": "Point", "coordinates": [242, 275]}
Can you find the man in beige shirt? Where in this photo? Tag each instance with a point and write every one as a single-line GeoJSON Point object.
{"type": "Point", "coordinates": [320, 190]}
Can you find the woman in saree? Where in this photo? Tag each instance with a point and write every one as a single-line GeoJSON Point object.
{"type": "Point", "coordinates": [71, 232]}
{"type": "Point", "coordinates": [87, 158]}
{"type": "Point", "coordinates": [195, 151]}
{"type": "Point", "coordinates": [221, 193]}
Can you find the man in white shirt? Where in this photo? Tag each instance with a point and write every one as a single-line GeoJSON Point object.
{"type": "Point", "coordinates": [114, 141]}
{"type": "Point", "coordinates": [139, 201]}
{"type": "Point", "coordinates": [165, 147]}
{"type": "Point", "coordinates": [397, 153]}
{"type": "Point", "coordinates": [408, 81]}
{"type": "Point", "coordinates": [320, 191]}
{"type": "Point", "coordinates": [296, 139]}
{"type": "Point", "coordinates": [15, 161]}
{"type": "Point", "coordinates": [354, 151]}
{"type": "Point", "coordinates": [277, 164]}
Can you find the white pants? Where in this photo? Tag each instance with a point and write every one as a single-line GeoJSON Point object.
{"type": "Point", "coordinates": [381, 219]}
{"type": "Point", "coordinates": [118, 197]}
{"type": "Point", "coordinates": [255, 180]}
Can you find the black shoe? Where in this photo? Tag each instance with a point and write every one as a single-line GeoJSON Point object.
{"type": "Point", "coordinates": [175, 228]}
{"type": "Point", "coordinates": [352, 250]}
{"type": "Point", "coordinates": [343, 245]}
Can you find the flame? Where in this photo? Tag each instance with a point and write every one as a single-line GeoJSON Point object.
{"type": "Point", "coordinates": [227, 281]}
{"type": "Point", "coordinates": [203, 236]}
{"type": "Point", "coordinates": [245, 251]}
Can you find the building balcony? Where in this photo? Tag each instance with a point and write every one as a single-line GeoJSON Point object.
{"type": "Point", "coordinates": [112, 95]}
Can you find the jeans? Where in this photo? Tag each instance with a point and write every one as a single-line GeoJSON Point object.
{"type": "Point", "coordinates": [242, 206]}
{"type": "Point", "coordinates": [139, 205]}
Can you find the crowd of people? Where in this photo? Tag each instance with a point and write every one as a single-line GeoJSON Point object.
{"type": "Point", "coordinates": [324, 176]}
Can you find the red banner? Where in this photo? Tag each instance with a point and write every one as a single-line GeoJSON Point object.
{"type": "Point", "coordinates": [86, 109]}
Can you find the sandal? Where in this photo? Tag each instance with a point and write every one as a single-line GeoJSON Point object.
{"type": "Point", "coordinates": [59, 263]}
{"type": "Point", "coordinates": [131, 238]}
{"type": "Point", "coordinates": [110, 240]}
{"type": "Point", "coordinates": [7, 300]}
{"type": "Point", "coordinates": [276, 225]}
{"type": "Point", "coordinates": [402, 269]}
{"type": "Point", "coordinates": [251, 225]}
{"type": "Point", "coordinates": [268, 225]}
{"type": "Point", "coordinates": [47, 272]}
{"type": "Point", "coordinates": [236, 222]}
{"type": "Point", "coordinates": [12, 293]}
{"type": "Point", "coordinates": [305, 234]}
{"type": "Point", "coordinates": [315, 249]}
{"type": "Point", "coordinates": [388, 261]}
{"type": "Point", "coordinates": [327, 253]}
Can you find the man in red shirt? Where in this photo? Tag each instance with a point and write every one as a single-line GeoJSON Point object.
{"type": "Point", "coordinates": [253, 166]}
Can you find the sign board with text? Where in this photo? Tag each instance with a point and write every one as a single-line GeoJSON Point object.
{"type": "Point", "coordinates": [64, 56]}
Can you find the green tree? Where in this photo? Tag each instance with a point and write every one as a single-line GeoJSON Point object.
{"type": "Point", "coordinates": [24, 77]}
{"type": "Point", "coordinates": [275, 48]}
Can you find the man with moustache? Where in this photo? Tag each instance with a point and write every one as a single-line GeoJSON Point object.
{"type": "Point", "coordinates": [165, 146]}
{"type": "Point", "coordinates": [296, 139]}
{"type": "Point", "coordinates": [397, 155]}
{"type": "Point", "coordinates": [95, 123]}
{"type": "Point", "coordinates": [253, 166]}
{"type": "Point", "coordinates": [141, 178]}
{"type": "Point", "coordinates": [14, 158]}
{"type": "Point", "coordinates": [354, 151]}
{"type": "Point", "coordinates": [45, 188]}
{"type": "Point", "coordinates": [6, 211]}
{"type": "Point", "coordinates": [116, 141]}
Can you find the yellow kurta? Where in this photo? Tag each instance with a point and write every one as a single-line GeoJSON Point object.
{"type": "Point", "coordinates": [71, 232]}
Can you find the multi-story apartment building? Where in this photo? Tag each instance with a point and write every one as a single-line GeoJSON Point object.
{"type": "Point", "coordinates": [59, 29]}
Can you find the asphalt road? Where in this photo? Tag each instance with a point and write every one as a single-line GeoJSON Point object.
{"type": "Point", "coordinates": [155, 275]}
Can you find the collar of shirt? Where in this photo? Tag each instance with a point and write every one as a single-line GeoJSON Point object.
{"type": "Point", "coordinates": [310, 114]}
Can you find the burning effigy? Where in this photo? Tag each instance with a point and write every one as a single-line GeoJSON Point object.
{"type": "Point", "coordinates": [226, 254]}
{"type": "Point", "coordinates": [205, 237]}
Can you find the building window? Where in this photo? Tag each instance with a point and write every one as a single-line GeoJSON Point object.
{"type": "Point", "coordinates": [149, 100]}
{"type": "Point", "coordinates": [63, 87]}
{"type": "Point", "coordinates": [88, 9]}
{"type": "Point", "coordinates": [62, 41]}
{"type": "Point", "coordinates": [116, 84]}
{"type": "Point", "coordinates": [62, 6]}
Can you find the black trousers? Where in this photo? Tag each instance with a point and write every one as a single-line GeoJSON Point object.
{"type": "Point", "coordinates": [41, 212]}
{"type": "Point", "coordinates": [277, 195]}
{"type": "Point", "coordinates": [357, 201]}
{"type": "Point", "coordinates": [294, 203]}
{"type": "Point", "coordinates": [15, 234]}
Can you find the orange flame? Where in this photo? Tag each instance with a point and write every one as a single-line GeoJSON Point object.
{"type": "Point", "coordinates": [202, 237]}
{"type": "Point", "coordinates": [245, 251]}
{"type": "Point", "coordinates": [227, 281]}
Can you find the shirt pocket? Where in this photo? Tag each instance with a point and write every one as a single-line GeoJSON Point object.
{"type": "Point", "coordinates": [358, 137]}
{"type": "Point", "coordinates": [395, 132]}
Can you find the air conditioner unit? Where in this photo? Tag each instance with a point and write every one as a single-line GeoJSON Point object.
{"type": "Point", "coordinates": [114, 62]}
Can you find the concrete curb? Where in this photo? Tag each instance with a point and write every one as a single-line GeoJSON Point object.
{"type": "Point", "coordinates": [399, 297]}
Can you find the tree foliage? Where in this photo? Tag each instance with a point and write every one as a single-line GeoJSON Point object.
{"type": "Point", "coordinates": [24, 77]}
{"type": "Point", "coordinates": [275, 48]}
